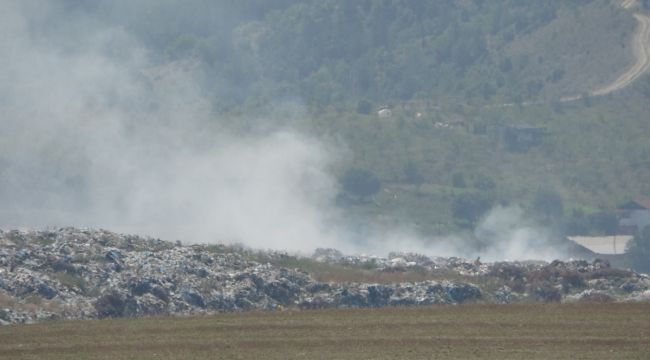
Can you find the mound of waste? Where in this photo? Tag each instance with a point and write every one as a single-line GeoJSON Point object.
{"type": "Point", "coordinates": [86, 274]}
{"type": "Point", "coordinates": [506, 282]}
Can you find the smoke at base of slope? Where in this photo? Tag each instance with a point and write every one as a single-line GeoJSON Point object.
{"type": "Point", "coordinates": [95, 135]}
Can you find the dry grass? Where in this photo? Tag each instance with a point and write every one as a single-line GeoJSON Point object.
{"type": "Point", "coordinates": [586, 331]}
{"type": "Point", "coordinates": [339, 273]}
{"type": "Point", "coordinates": [30, 304]}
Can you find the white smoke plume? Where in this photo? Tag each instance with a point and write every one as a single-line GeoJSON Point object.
{"type": "Point", "coordinates": [506, 234]}
{"type": "Point", "coordinates": [503, 233]}
{"type": "Point", "coordinates": [95, 133]}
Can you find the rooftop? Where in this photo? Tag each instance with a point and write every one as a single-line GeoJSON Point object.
{"type": "Point", "coordinates": [639, 203]}
{"type": "Point", "coordinates": [606, 245]}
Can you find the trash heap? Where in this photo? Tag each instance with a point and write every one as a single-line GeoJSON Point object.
{"type": "Point", "coordinates": [74, 273]}
{"type": "Point", "coordinates": [85, 274]}
{"type": "Point", "coordinates": [507, 282]}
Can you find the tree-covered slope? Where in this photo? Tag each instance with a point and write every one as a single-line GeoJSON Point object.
{"type": "Point", "coordinates": [331, 51]}
{"type": "Point", "coordinates": [467, 81]}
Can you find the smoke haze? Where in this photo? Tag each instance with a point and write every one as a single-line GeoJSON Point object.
{"type": "Point", "coordinates": [95, 133]}
{"type": "Point", "coordinates": [506, 234]}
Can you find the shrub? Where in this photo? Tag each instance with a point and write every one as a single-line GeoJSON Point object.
{"type": "Point", "coordinates": [364, 107]}
{"type": "Point", "coordinates": [360, 182]}
{"type": "Point", "coordinates": [469, 207]}
{"type": "Point", "coordinates": [110, 305]}
{"type": "Point", "coordinates": [547, 293]}
{"type": "Point", "coordinates": [458, 180]}
{"type": "Point", "coordinates": [639, 251]}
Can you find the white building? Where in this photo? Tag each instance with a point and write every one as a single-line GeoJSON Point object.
{"type": "Point", "coordinates": [384, 113]}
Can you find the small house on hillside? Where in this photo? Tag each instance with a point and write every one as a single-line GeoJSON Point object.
{"type": "Point", "coordinates": [450, 124]}
{"type": "Point", "coordinates": [384, 113]}
{"type": "Point", "coordinates": [634, 216]}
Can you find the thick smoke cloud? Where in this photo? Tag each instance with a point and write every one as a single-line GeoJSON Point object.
{"type": "Point", "coordinates": [96, 133]}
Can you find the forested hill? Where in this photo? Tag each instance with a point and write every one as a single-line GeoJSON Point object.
{"type": "Point", "coordinates": [470, 61]}
{"type": "Point", "coordinates": [398, 50]}
{"type": "Point", "coordinates": [329, 51]}
{"type": "Point", "coordinates": [492, 102]}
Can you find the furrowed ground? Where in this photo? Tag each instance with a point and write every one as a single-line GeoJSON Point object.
{"type": "Point", "coordinates": [530, 331]}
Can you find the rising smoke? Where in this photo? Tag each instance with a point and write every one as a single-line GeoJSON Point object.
{"type": "Point", "coordinates": [95, 133]}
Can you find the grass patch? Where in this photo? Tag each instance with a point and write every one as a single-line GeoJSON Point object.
{"type": "Point", "coordinates": [364, 273]}
{"type": "Point", "coordinates": [70, 280]}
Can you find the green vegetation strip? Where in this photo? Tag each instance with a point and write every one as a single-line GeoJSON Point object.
{"type": "Point", "coordinates": [585, 331]}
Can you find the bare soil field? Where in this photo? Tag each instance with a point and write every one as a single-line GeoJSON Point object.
{"type": "Point", "coordinates": [535, 331]}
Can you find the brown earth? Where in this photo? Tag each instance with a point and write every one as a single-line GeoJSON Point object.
{"type": "Point", "coordinates": [585, 331]}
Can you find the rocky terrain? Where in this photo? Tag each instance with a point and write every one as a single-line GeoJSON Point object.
{"type": "Point", "coordinates": [72, 273]}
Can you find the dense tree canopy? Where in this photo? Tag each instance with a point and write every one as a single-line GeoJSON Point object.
{"type": "Point", "coordinates": [331, 50]}
{"type": "Point", "coordinates": [639, 250]}
{"type": "Point", "coordinates": [360, 182]}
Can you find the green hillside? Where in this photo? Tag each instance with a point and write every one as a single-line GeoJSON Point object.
{"type": "Point", "coordinates": [329, 52]}
{"type": "Point", "coordinates": [485, 97]}
{"type": "Point", "coordinates": [593, 155]}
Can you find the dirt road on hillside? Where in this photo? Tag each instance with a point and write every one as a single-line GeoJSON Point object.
{"type": "Point", "coordinates": [626, 4]}
{"type": "Point", "coordinates": [641, 50]}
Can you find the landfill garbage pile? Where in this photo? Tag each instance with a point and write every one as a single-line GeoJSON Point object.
{"type": "Point", "coordinates": [87, 274]}
{"type": "Point", "coordinates": [558, 281]}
